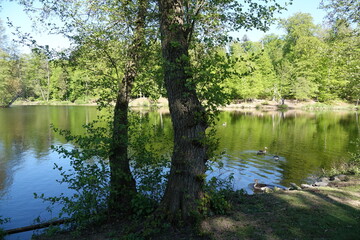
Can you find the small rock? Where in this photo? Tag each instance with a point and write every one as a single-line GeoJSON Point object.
{"type": "Point", "coordinates": [343, 177]}
{"type": "Point", "coordinates": [294, 186]}
{"type": "Point", "coordinates": [305, 186]}
{"type": "Point", "coordinates": [320, 184]}
{"type": "Point", "coordinates": [335, 179]}
{"type": "Point", "coordinates": [277, 189]}
{"type": "Point", "coordinates": [268, 190]}
{"type": "Point", "coordinates": [324, 179]}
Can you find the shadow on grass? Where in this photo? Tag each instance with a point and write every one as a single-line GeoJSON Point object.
{"type": "Point", "coordinates": [292, 215]}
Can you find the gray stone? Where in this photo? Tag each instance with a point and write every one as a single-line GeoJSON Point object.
{"type": "Point", "coordinates": [320, 184]}
{"type": "Point", "coordinates": [305, 186]}
{"type": "Point", "coordinates": [335, 179]}
{"type": "Point", "coordinates": [294, 186]}
{"type": "Point", "coordinates": [324, 179]}
{"type": "Point", "coordinates": [342, 177]}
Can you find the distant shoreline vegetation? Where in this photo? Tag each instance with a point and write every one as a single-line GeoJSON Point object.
{"type": "Point", "coordinates": [258, 104]}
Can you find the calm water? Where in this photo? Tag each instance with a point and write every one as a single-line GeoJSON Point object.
{"type": "Point", "coordinates": [305, 143]}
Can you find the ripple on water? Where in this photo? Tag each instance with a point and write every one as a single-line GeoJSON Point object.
{"type": "Point", "coordinates": [246, 166]}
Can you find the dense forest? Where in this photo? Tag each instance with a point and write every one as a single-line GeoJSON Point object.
{"type": "Point", "coordinates": [308, 62]}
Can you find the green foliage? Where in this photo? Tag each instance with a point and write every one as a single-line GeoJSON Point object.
{"type": "Point", "coordinates": [10, 80]}
{"type": "Point", "coordinates": [345, 9]}
{"type": "Point", "coordinates": [253, 72]}
{"type": "Point", "coordinates": [209, 76]}
{"type": "Point", "coordinates": [88, 177]}
{"type": "Point", "coordinates": [304, 89]}
{"type": "Point", "coordinates": [10, 86]}
{"type": "Point", "coordinates": [306, 63]}
{"type": "Point", "coordinates": [355, 156]}
{"type": "Point", "coordinates": [2, 221]}
{"type": "Point", "coordinates": [215, 200]}
{"type": "Point", "coordinates": [283, 107]}
{"type": "Point", "coordinates": [149, 159]}
{"type": "Point", "coordinates": [351, 167]}
{"type": "Point", "coordinates": [36, 75]}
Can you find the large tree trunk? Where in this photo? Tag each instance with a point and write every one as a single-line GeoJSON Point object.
{"type": "Point", "coordinates": [123, 186]}
{"type": "Point", "coordinates": [186, 180]}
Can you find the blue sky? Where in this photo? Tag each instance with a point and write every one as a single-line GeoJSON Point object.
{"type": "Point", "coordinates": [304, 6]}
{"type": "Point", "coordinates": [15, 13]}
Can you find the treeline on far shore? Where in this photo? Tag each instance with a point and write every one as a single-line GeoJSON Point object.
{"type": "Point", "coordinates": [309, 62]}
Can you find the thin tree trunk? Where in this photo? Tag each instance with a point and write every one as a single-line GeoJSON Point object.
{"type": "Point", "coordinates": [186, 180]}
{"type": "Point", "coordinates": [123, 186]}
{"type": "Point", "coordinates": [41, 91]}
{"type": "Point", "coordinates": [48, 81]}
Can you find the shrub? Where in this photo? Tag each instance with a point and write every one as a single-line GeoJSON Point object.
{"type": "Point", "coordinates": [89, 173]}
{"type": "Point", "coordinates": [2, 221]}
{"type": "Point", "coordinates": [352, 167]}
{"type": "Point", "coordinates": [283, 107]}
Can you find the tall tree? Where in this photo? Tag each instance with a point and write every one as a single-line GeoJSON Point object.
{"type": "Point", "coordinates": [39, 73]}
{"type": "Point", "coordinates": [344, 41]}
{"type": "Point", "coordinates": [180, 23]}
{"type": "Point", "coordinates": [123, 185]}
{"type": "Point", "coordinates": [342, 9]}
{"type": "Point", "coordinates": [10, 72]}
{"type": "Point", "coordinates": [188, 116]}
{"type": "Point", "coordinates": [112, 33]}
{"type": "Point", "coordinates": [303, 58]}
{"type": "Point", "coordinates": [10, 81]}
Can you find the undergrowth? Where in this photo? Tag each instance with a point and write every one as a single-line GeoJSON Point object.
{"type": "Point", "coordinates": [351, 167]}
{"type": "Point", "coordinates": [2, 221]}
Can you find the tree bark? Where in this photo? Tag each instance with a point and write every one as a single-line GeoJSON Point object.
{"type": "Point", "coordinates": [122, 183]}
{"type": "Point", "coordinates": [186, 180]}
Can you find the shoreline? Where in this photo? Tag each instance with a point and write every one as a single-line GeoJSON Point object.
{"type": "Point", "coordinates": [258, 105]}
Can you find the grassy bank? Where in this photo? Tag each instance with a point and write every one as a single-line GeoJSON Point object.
{"type": "Point", "coordinates": [319, 213]}
{"type": "Point", "coordinates": [290, 104]}
{"type": "Point", "coordinates": [316, 213]}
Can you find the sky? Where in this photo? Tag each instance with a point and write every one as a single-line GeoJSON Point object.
{"type": "Point", "coordinates": [15, 13]}
{"type": "Point", "coordinates": [304, 6]}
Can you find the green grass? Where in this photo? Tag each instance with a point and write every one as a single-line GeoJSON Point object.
{"type": "Point", "coordinates": [324, 213]}
{"type": "Point", "coordinates": [329, 106]}
{"type": "Point", "coordinates": [319, 213]}
{"type": "Point", "coordinates": [282, 107]}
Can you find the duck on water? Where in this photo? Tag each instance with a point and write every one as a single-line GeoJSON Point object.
{"type": "Point", "coordinates": [262, 152]}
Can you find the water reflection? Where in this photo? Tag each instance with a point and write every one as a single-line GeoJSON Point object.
{"type": "Point", "coordinates": [304, 141]}
{"type": "Point", "coordinates": [26, 160]}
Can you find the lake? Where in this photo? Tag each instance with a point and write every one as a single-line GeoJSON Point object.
{"type": "Point", "coordinates": [305, 142]}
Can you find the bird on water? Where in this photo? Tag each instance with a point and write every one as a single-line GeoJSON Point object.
{"type": "Point", "coordinates": [260, 186]}
{"type": "Point", "coordinates": [262, 152]}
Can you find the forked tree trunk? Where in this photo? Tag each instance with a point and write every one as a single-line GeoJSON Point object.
{"type": "Point", "coordinates": [186, 180]}
{"type": "Point", "coordinates": [122, 183]}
